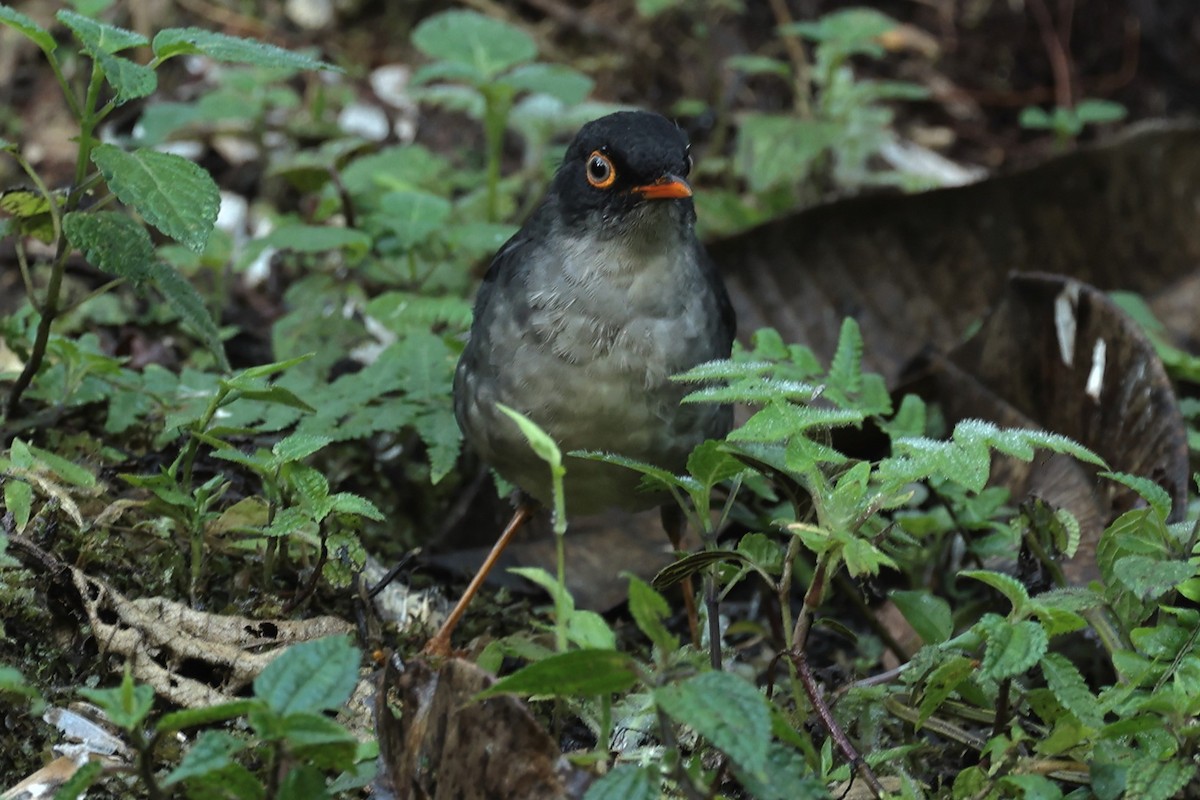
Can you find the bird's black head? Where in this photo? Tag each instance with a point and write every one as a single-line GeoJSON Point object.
{"type": "Point", "coordinates": [623, 163]}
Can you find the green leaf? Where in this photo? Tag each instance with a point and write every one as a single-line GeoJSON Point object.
{"type": "Point", "coordinates": [298, 446]}
{"type": "Point", "coordinates": [759, 65]}
{"type": "Point", "coordinates": [129, 79]}
{"type": "Point", "coordinates": [1034, 118]}
{"type": "Point", "coordinates": [317, 239]}
{"type": "Point", "coordinates": [18, 498]}
{"type": "Point", "coordinates": [1032, 787]}
{"type": "Point", "coordinates": [1071, 690]}
{"type": "Point", "coordinates": [193, 717]}
{"type": "Point", "coordinates": [113, 242]}
{"type": "Point", "coordinates": [347, 503]}
{"type": "Point", "coordinates": [710, 464]}
{"type": "Point", "coordinates": [848, 25]}
{"type": "Point", "coordinates": [1150, 779]}
{"type": "Point", "coordinates": [127, 705]}
{"type": "Point", "coordinates": [649, 610]}
{"type": "Point", "coordinates": [941, 683]}
{"type": "Point", "coordinates": [928, 614]}
{"type": "Point", "coordinates": [276, 395]}
{"type": "Point", "coordinates": [173, 42]}
{"type": "Point", "coordinates": [170, 192]}
{"type": "Point", "coordinates": [304, 782]}
{"type": "Point", "coordinates": [1154, 495]}
{"type": "Point", "coordinates": [1012, 648]}
{"type": "Point", "coordinates": [780, 421]}
{"type": "Point", "coordinates": [774, 150]}
{"type": "Point", "coordinates": [485, 44]}
{"type": "Point", "coordinates": [1093, 111]}
{"type": "Point", "coordinates": [211, 752]}
{"type": "Point", "coordinates": [578, 673]}
{"type": "Point", "coordinates": [788, 777]}
{"type": "Point", "coordinates": [28, 28]}
{"type": "Point", "coordinates": [845, 372]}
{"type": "Point", "coordinates": [1150, 578]}
{"type": "Point", "coordinates": [1007, 585]}
{"type": "Point", "coordinates": [313, 734]}
{"type": "Point", "coordinates": [97, 37]}
{"type": "Point", "coordinates": [624, 782]}
{"type": "Point", "coordinates": [310, 676]}
{"type": "Point", "coordinates": [412, 216]}
{"type": "Point", "coordinates": [189, 305]}
{"type": "Point", "coordinates": [558, 81]}
{"type": "Point", "coordinates": [726, 710]}
{"type": "Point", "coordinates": [539, 440]}
{"type": "Point", "coordinates": [63, 469]}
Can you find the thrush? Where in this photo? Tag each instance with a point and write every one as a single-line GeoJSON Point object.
{"type": "Point", "coordinates": [583, 317]}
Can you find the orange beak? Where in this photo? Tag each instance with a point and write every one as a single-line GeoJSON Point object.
{"type": "Point", "coordinates": [668, 187]}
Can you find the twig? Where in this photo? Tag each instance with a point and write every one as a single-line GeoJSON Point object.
{"type": "Point", "coordinates": [1059, 60]}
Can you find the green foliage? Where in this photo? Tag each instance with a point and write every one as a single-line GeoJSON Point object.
{"type": "Point", "coordinates": [1067, 122]}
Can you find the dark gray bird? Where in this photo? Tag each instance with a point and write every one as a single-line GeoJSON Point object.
{"type": "Point", "coordinates": [586, 313]}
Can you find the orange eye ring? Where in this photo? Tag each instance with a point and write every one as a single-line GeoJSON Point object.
{"type": "Point", "coordinates": [600, 170]}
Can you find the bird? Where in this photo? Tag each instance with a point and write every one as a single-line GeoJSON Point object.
{"type": "Point", "coordinates": [581, 320]}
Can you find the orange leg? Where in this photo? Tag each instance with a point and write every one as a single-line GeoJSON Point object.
{"type": "Point", "coordinates": [439, 645]}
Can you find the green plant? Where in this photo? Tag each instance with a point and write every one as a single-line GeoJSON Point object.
{"type": "Point", "coordinates": [170, 193]}
{"type": "Point", "coordinates": [288, 748]}
{"type": "Point", "coordinates": [482, 65]}
{"type": "Point", "coordinates": [1067, 122]}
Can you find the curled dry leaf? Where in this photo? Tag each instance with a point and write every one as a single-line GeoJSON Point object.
{"type": "Point", "coordinates": [442, 744]}
{"type": "Point", "coordinates": [1058, 354]}
{"type": "Point", "coordinates": [157, 636]}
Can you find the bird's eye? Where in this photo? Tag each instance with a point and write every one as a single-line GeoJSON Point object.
{"type": "Point", "coordinates": [600, 170]}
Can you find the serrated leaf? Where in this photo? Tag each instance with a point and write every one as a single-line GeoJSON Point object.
{"type": "Point", "coordinates": [1150, 578]}
{"type": "Point", "coordinates": [928, 614]}
{"type": "Point", "coordinates": [578, 673]}
{"type": "Point", "coordinates": [28, 28]}
{"type": "Point", "coordinates": [941, 683]}
{"type": "Point", "coordinates": [298, 446]}
{"type": "Point", "coordinates": [442, 438]}
{"type": "Point", "coordinates": [310, 676]}
{"type": "Point", "coordinates": [212, 751]}
{"type": "Point", "coordinates": [1012, 648]}
{"type": "Point", "coordinates": [487, 45]}
{"type": "Point", "coordinates": [1071, 690]}
{"type": "Point", "coordinates": [221, 47]}
{"type": "Point", "coordinates": [98, 37]}
{"type": "Point", "coordinates": [129, 80]}
{"type": "Point", "coordinates": [657, 475]}
{"type": "Point", "coordinates": [788, 777]}
{"type": "Point", "coordinates": [650, 610]}
{"type": "Point", "coordinates": [189, 305]}
{"type": "Point", "coordinates": [710, 465]}
{"type": "Point", "coordinates": [624, 782]}
{"type": "Point", "coordinates": [174, 195]}
{"type": "Point", "coordinates": [727, 711]}
{"type": "Point", "coordinates": [779, 421]}
{"type": "Point", "coordinates": [845, 371]}
{"type": "Point", "coordinates": [1154, 495]}
{"type": "Point", "coordinates": [113, 242]}
{"type": "Point", "coordinates": [347, 503]}
{"type": "Point", "coordinates": [1007, 585]}
{"type": "Point", "coordinates": [1150, 779]}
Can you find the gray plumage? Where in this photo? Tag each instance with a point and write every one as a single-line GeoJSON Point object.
{"type": "Point", "coordinates": [585, 314]}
